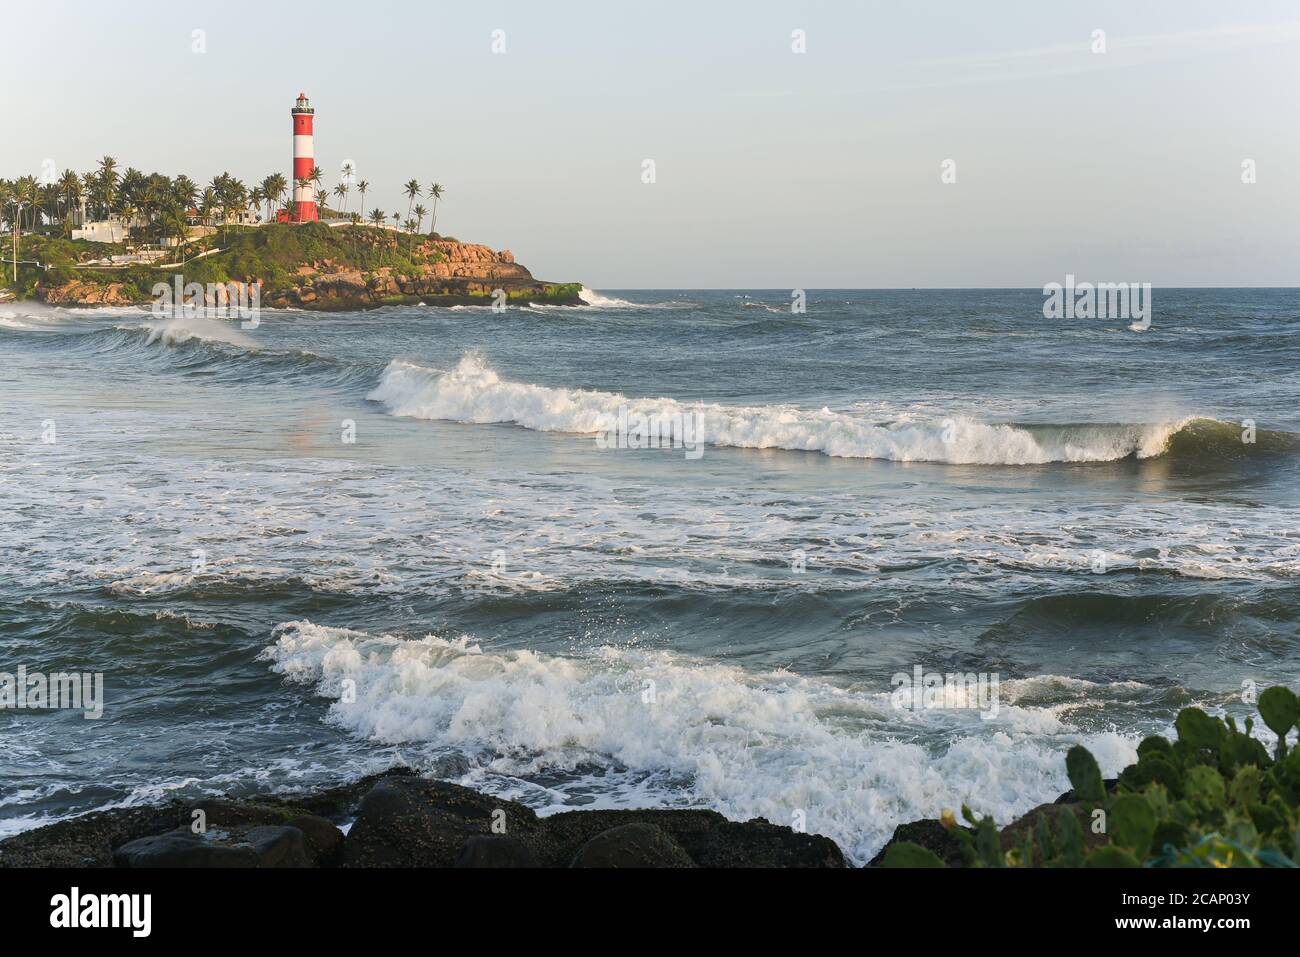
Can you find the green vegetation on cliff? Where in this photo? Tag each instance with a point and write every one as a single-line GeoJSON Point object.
{"type": "Point", "coordinates": [311, 264]}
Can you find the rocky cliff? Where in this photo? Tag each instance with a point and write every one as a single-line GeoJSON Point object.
{"type": "Point", "coordinates": [316, 267]}
{"type": "Point", "coordinates": [466, 272]}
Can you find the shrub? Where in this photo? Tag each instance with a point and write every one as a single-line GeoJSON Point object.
{"type": "Point", "coordinates": [1215, 797]}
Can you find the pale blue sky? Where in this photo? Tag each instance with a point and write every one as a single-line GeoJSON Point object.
{"type": "Point", "coordinates": [773, 169]}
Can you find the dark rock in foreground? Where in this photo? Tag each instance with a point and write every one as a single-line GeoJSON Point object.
{"type": "Point", "coordinates": [632, 845]}
{"type": "Point", "coordinates": [401, 820]}
{"type": "Point", "coordinates": [930, 835]}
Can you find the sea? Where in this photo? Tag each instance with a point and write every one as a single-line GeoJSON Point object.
{"type": "Point", "coordinates": [840, 568]}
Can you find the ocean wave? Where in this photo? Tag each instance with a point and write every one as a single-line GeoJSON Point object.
{"type": "Point", "coordinates": [30, 316]}
{"type": "Point", "coordinates": [473, 392]}
{"type": "Point", "coordinates": [170, 332]}
{"type": "Point", "coordinates": [666, 730]}
{"type": "Point", "coordinates": [593, 298]}
{"type": "Point", "coordinates": [211, 346]}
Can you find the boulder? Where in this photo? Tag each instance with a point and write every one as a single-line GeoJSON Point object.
{"type": "Point", "coordinates": [322, 841]}
{"type": "Point", "coordinates": [411, 822]}
{"type": "Point", "coordinates": [632, 845]}
{"type": "Point", "coordinates": [181, 848]}
{"type": "Point", "coordinates": [272, 846]}
{"type": "Point", "coordinates": [930, 835]}
{"type": "Point", "coordinates": [495, 851]}
{"type": "Point", "coordinates": [278, 846]}
{"type": "Point", "coordinates": [708, 838]}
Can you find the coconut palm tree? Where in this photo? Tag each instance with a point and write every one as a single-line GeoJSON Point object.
{"type": "Point", "coordinates": [397, 220]}
{"type": "Point", "coordinates": [361, 188]}
{"type": "Point", "coordinates": [207, 205]}
{"type": "Point", "coordinates": [341, 191]}
{"type": "Point", "coordinates": [268, 196]}
{"type": "Point", "coordinates": [412, 190]}
{"type": "Point", "coordinates": [20, 194]}
{"type": "Point", "coordinates": [108, 181]}
{"type": "Point", "coordinates": [420, 213]}
{"type": "Point", "coordinates": [436, 191]}
{"type": "Point", "coordinates": [51, 197]}
{"type": "Point", "coordinates": [348, 175]}
{"type": "Point", "coordinates": [176, 219]}
{"type": "Point", "coordinates": [184, 190]}
{"type": "Point", "coordinates": [28, 195]}
{"type": "Point", "coordinates": [70, 186]}
{"type": "Point", "coordinates": [273, 189]}
{"type": "Point", "coordinates": [171, 218]}
{"type": "Point", "coordinates": [377, 216]}
{"type": "Point", "coordinates": [238, 199]}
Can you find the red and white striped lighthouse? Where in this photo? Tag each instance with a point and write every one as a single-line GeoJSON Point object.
{"type": "Point", "coordinates": [304, 191]}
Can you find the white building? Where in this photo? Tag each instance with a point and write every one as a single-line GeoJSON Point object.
{"type": "Point", "coordinates": [102, 231]}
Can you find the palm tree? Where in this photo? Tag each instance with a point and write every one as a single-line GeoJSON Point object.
{"type": "Point", "coordinates": [420, 213]}
{"type": "Point", "coordinates": [49, 205]}
{"type": "Point", "coordinates": [28, 194]}
{"type": "Point", "coordinates": [172, 217]}
{"type": "Point", "coordinates": [281, 188]}
{"type": "Point", "coordinates": [6, 197]}
{"type": "Point", "coordinates": [341, 191]}
{"type": "Point", "coordinates": [436, 191]}
{"type": "Point", "coordinates": [377, 216]}
{"type": "Point", "coordinates": [412, 190]}
{"type": "Point", "coordinates": [273, 189]}
{"type": "Point", "coordinates": [20, 194]}
{"type": "Point", "coordinates": [361, 188]}
{"type": "Point", "coordinates": [255, 198]}
{"type": "Point", "coordinates": [397, 220]}
{"type": "Point", "coordinates": [182, 226]}
{"type": "Point", "coordinates": [207, 205]}
{"type": "Point", "coordinates": [108, 180]}
{"type": "Point", "coordinates": [184, 190]}
{"type": "Point", "coordinates": [316, 176]}
{"type": "Point", "coordinates": [268, 195]}
{"type": "Point", "coordinates": [349, 175]}
{"type": "Point", "coordinates": [238, 199]}
{"type": "Point", "coordinates": [70, 187]}
{"type": "Point", "coordinates": [127, 210]}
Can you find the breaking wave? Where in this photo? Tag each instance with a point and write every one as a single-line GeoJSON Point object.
{"type": "Point", "coordinates": [593, 298]}
{"type": "Point", "coordinates": [474, 392]}
{"type": "Point", "coordinates": [631, 727]}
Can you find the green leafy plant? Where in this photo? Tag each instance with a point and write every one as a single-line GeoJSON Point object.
{"type": "Point", "coordinates": [1214, 797]}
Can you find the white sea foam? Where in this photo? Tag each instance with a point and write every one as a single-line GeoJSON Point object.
{"type": "Point", "coordinates": [474, 392]}
{"type": "Point", "coordinates": [746, 744]}
{"type": "Point", "coordinates": [593, 298]}
{"type": "Point", "coordinates": [172, 332]}
{"type": "Point", "coordinates": [29, 316]}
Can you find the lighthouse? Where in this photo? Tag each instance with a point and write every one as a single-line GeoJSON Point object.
{"type": "Point", "coordinates": [304, 158]}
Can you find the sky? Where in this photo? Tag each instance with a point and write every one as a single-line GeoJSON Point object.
{"type": "Point", "coordinates": [772, 168]}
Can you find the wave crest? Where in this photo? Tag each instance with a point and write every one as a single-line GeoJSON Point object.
{"type": "Point", "coordinates": [663, 729]}
{"type": "Point", "coordinates": [473, 392]}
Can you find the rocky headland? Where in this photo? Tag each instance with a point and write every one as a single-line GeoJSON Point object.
{"type": "Point", "coordinates": [310, 266]}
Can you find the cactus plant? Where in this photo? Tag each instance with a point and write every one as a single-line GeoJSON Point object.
{"type": "Point", "coordinates": [1214, 797]}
